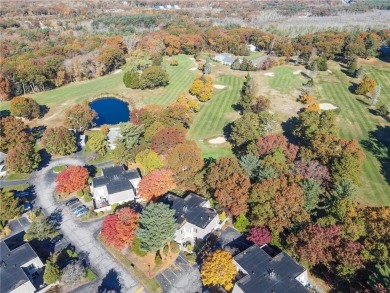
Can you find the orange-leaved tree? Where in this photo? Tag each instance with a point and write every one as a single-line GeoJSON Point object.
{"type": "Point", "coordinates": [118, 230]}
{"type": "Point", "coordinates": [73, 178]}
{"type": "Point", "coordinates": [219, 269]}
{"type": "Point", "coordinates": [156, 183]}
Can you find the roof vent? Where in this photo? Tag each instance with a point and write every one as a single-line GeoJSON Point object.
{"type": "Point", "coordinates": [271, 274]}
{"type": "Point", "coordinates": [201, 217]}
{"type": "Point", "coordinates": [209, 218]}
{"type": "Point", "coordinates": [3, 264]}
{"type": "Point", "coordinates": [185, 208]}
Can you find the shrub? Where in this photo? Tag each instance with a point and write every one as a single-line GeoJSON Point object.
{"type": "Point", "coordinates": [191, 257]}
{"type": "Point", "coordinates": [158, 259]}
{"type": "Point", "coordinates": [222, 216]}
{"type": "Point", "coordinates": [166, 250]}
{"type": "Point", "coordinates": [90, 275]}
{"type": "Point", "coordinates": [175, 247]}
{"type": "Point", "coordinates": [87, 197]}
{"type": "Point", "coordinates": [114, 206]}
{"type": "Point", "coordinates": [79, 193]}
{"type": "Point", "coordinates": [136, 248]}
{"type": "Point", "coordinates": [101, 213]}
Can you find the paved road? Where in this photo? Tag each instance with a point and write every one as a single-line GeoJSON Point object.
{"type": "Point", "coordinates": [83, 235]}
{"type": "Point", "coordinates": [13, 182]}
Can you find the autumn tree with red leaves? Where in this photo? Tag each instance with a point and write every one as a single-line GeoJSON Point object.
{"type": "Point", "coordinates": [72, 179]}
{"type": "Point", "coordinates": [166, 139]}
{"type": "Point", "coordinates": [259, 235]}
{"type": "Point", "coordinates": [316, 244]}
{"type": "Point", "coordinates": [156, 183]}
{"type": "Point", "coordinates": [266, 144]}
{"type": "Point", "coordinates": [118, 230]}
{"type": "Point", "coordinates": [232, 193]}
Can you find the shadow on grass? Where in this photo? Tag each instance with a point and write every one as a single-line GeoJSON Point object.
{"type": "Point", "coordinates": [378, 143]}
{"type": "Point", "coordinates": [352, 88]}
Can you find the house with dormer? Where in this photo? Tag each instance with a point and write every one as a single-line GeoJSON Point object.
{"type": "Point", "coordinates": [116, 185]}
{"type": "Point", "coordinates": [262, 269]}
{"type": "Point", "coordinates": [194, 215]}
{"type": "Point", "coordinates": [20, 269]}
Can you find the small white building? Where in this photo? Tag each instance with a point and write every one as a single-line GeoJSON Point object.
{"type": "Point", "coordinates": [3, 169]}
{"type": "Point", "coordinates": [252, 48]}
{"type": "Point", "coordinates": [261, 270]}
{"type": "Point", "coordinates": [224, 58]}
{"type": "Point", "coordinates": [20, 269]}
{"type": "Point", "coordinates": [193, 214]}
{"type": "Point", "coordinates": [116, 185]}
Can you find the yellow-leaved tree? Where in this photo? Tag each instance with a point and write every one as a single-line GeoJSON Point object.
{"type": "Point", "coordinates": [219, 269]}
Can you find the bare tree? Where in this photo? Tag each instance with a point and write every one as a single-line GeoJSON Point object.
{"type": "Point", "coordinates": [73, 272]}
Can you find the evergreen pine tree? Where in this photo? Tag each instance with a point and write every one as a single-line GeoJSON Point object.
{"type": "Point", "coordinates": [156, 227]}
{"type": "Point", "coordinates": [352, 68]}
{"type": "Point", "coordinates": [244, 65]}
{"type": "Point", "coordinates": [52, 272]}
{"type": "Point", "coordinates": [207, 67]}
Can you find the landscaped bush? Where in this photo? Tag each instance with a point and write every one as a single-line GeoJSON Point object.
{"type": "Point", "coordinates": [175, 247]}
{"type": "Point", "coordinates": [158, 259]}
{"type": "Point", "coordinates": [101, 213]}
{"type": "Point", "coordinates": [166, 249]}
{"type": "Point", "coordinates": [79, 193]}
{"type": "Point", "coordinates": [136, 248]}
{"type": "Point", "coordinates": [191, 257]}
{"type": "Point", "coordinates": [90, 275]}
{"type": "Point", "coordinates": [87, 197]}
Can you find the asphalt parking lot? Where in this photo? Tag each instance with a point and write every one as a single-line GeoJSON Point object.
{"type": "Point", "coordinates": [181, 277]}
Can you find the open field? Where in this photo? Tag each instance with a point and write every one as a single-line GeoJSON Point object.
{"type": "Point", "coordinates": [356, 121]}
{"type": "Point", "coordinates": [215, 115]}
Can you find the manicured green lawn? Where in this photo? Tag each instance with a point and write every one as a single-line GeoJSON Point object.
{"type": "Point", "coordinates": [16, 176]}
{"type": "Point", "coordinates": [180, 80]}
{"type": "Point", "coordinates": [215, 115]}
{"type": "Point", "coordinates": [284, 80]}
{"type": "Point", "coordinates": [356, 121]}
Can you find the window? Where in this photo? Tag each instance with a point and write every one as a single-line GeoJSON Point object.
{"type": "Point", "coordinates": [195, 230]}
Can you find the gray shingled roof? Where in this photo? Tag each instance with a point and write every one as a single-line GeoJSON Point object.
{"type": "Point", "coordinates": [116, 179]}
{"type": "Point", "coordinates": [269, 274]}
{"type": "Point", "coordinates": [190, 209]}
{"type": "Point", "coordinates": [11, 273]}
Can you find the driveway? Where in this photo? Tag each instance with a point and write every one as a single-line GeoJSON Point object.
{"type": "Point", "coordinates": [181, 277]}
{"type": "Point", "coordinates": [112, 276]}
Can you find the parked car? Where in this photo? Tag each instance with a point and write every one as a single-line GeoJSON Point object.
{"type": "Point", "coordinates": [72, 202]}
{"type": "Point", "coordinates": [79, 208]}
{"type": "Point", "coordinates": [26, 207]}
{"type": "Point", "coordinates": [82, 213]}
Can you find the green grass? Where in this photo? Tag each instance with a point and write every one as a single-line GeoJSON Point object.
{"type": "Point", "coordinates": [18, 187]}
{"type": "Point", "coordinates": [215, 115]}
{"type": "Point", "coordinates": [355, 121]}
{"type": "Point", "coordinates": [58, 169]}
{"type": "Point", "coordinates": [16, 176]}
{"type": "Point", "coordinates": [179, 82]}
{"type": "Point", "coordinates": [284, 80]}
{"type": "Point", "coordinates": [90, 275]}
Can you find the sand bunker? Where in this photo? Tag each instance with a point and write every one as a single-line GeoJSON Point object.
{"type": "Point", "coordinates": [117, 71]}
{"type": "Point", "coordinates": [194, 68]}
{"type": "Point", "coordinates": [327, 106]}
{"type": "Point", "coordinates": [270, 74]}
{"type": "Point", "coordinates": [217, 140]}
{"type": "Point", "coordinates": [297, 72]}
{"type": "Point", "coordinates": [329, 71]}
{"type": "Point", "coordinates": [219, 86]}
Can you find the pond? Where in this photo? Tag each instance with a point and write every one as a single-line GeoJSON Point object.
{"type": "Point", "coordinates": [110, 111]}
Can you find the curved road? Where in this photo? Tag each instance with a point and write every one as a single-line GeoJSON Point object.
{"type": "Point", "coordinates": [112, 275]}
